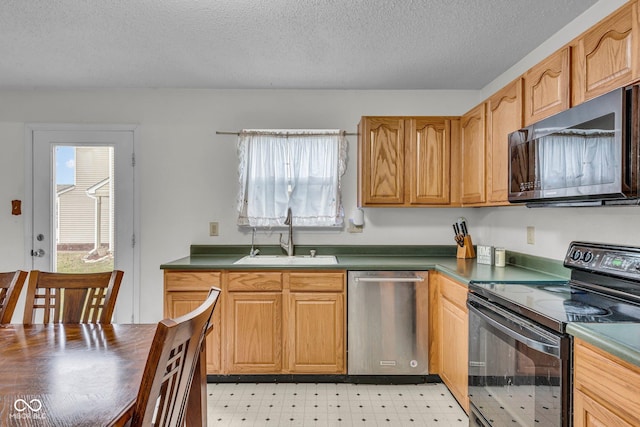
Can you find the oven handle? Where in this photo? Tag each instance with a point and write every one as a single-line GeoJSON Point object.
{"type": "Point", "coordinates": [500, 320]}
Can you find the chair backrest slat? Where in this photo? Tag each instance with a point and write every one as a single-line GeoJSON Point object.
{"type": "Point", "coordinates": [11, 284]}
{"type": "Point", "coordinates": [71, 297]}
{"type": "Point", "coordinates": [170, 368]}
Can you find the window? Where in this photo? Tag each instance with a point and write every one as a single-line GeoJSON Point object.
{"type": "Point", "coordinates": [299, 169]}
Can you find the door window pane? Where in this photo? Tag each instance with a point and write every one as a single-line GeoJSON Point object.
{"type": "Point", "coordinates": [84, 208]}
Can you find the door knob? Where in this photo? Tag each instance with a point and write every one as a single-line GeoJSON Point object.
{"type": "Point", "coordinates": [39, 253]}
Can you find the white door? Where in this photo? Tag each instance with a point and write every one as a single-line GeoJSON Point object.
{"type": "Point", "coordinates": [82, 205]}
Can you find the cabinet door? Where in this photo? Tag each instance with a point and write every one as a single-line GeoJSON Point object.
{"type": "Point", "coordinates": [472, 137]}
{"type": "Point", "coordinates": [184, 292]}
{"type": "Point", "coordinates": [546, 87]}
{"type": "Point", "coordinates": [589, 413]}
{"type": "Point", "coordinates": [454, 331]}
{"type": "Point", "coordinates": [607, 56]}
{"type": "Point", "coordinates": [381, 161]}
{"type": "Point", "coordinates": [316, 336]}
{"type": "Point", "coordinates": [618, 390]}
{"type": "Point", "coordinates": [254, 332]}
{"type": "Point", "coordinates": [428, 161]}
{"type": "Point", "coordinates": [504, 115]}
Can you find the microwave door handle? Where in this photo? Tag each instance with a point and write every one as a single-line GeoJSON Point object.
{"type": "Point", "coordinates": [497, 321]}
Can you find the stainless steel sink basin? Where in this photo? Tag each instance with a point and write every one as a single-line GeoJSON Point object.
{"type": "Point", "coordinates": [287, 260]}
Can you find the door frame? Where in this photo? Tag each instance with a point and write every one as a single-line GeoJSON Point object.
{"type": "Point", "coordinates": [28, 197]}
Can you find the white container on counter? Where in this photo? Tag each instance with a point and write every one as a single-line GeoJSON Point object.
{"type": "Point", "coordinates": [500, 257]}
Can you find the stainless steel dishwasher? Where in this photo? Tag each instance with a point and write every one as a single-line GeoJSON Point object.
{"type": "Point", "coordinates": [387, 323]}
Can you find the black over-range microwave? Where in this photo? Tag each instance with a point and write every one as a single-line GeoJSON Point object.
{"type": "Point", "coordinates": [584, 156]}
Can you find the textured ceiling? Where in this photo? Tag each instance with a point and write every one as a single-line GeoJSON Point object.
{"type": "Point", "coordinates": [289, 44]}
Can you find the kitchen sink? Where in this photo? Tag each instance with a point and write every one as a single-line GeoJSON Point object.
{"type": "Point", "coordinates": [287, 260]}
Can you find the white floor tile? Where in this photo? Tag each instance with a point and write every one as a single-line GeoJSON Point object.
{"type": "Point", "coordinates": [329, 405]}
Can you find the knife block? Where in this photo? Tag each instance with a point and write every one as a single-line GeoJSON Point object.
{"type": "Point", "coordinates": [466, 250]}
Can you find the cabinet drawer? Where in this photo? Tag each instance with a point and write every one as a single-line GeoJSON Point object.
{"type": "Point", "coordinates": [454, 292]}
{"type": "Point", "coordinates": [191, 280]}
{"type": "Point", "coordinates": [608, 380]}
{"type": "Point", "coordinates": [314, 282]}
{"type": "Point", "coordinates": [254, 281]}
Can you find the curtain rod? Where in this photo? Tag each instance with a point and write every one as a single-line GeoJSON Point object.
{"type": "Point", "coordinates": [218, 132]}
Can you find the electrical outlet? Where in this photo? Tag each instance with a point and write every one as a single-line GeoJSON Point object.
{"type": "Point", "coordinates": [531, 235]}
{"type": "Point", "coordinates": [213, 229]}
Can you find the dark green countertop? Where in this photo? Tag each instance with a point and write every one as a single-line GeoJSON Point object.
{"type": "Point", "coordinates": [522, 268]}
{"type": "Point", "coordinates": [620, 339]}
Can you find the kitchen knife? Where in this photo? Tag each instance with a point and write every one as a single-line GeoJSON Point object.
{"type": "Point", "coordinates": [463, 225]}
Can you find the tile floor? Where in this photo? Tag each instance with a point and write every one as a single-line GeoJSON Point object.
{"type": "Point", "coordinates": [330, 404]}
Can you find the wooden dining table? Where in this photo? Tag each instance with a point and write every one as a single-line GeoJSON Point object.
{"type": "Point", "coordinates": [78, 374]}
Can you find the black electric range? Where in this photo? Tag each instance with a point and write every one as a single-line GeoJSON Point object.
{"type": "Point", "coordinates": [604, 288]}
{"type": "Point", "coordinates": [520, 355]}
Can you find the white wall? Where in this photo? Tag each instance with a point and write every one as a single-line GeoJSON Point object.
{"type": "Point", "coordinates": [556, 228]}
{"type": "Point", "coordinates": [582, 23]}
{"type": "Point", "coordinates": [187, 174]}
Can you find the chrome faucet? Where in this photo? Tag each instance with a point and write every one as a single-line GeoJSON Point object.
{"type": "Point", "coordinates": [289, 245]}
{"type": "Point", "coordinates": [254, 251]}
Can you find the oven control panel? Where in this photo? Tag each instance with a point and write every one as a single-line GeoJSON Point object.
{"type": "Point", "coordinates": [607, 259]}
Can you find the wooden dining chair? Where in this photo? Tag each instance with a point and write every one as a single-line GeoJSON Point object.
{"type": "Point", "coordinates": [170, 369]}
{"type": "Point", "coordinates": [71, 297]}
{"type": "Point", "coordinates": [11, 284]}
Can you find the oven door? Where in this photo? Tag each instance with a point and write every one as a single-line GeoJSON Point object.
{"type": "Point", "coordinates": [518, 371]}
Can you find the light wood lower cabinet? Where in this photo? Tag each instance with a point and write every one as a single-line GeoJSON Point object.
{"type": "Point", "coordinates": [295, 325]}
{"type": "Point", "coordinates": [450, 336]}
{"type": "Point", "coordinates": [184, 291]}
{"type": "Point", "coordinates": [254, 332]}
{"type": "Point", "coordinates": [315, 338]}
{"type": "Point", "coordinates": [606, 388]}
{"type": "Point", "coordinates": [268, 322]}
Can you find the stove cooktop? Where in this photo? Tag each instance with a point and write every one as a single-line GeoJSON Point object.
{"type": "Point", "coordinates": [554, 305]}
{"type": "Point", "coordinates": [604, 288]}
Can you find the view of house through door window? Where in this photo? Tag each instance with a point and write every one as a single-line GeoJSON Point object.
{"type": "Point", "coordinates": [84, 209]}
{"type": "Point", "coordinates": [82, 205]}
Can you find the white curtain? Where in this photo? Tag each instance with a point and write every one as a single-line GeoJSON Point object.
{"type": "Point", "coordinates": [575, 157]}
{"type": "Point", "coordinates": [300, 170]}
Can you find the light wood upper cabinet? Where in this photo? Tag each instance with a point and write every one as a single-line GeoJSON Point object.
{"type": "Point", "coordinates": [607, 56]}
{"type": "Point", "coordinates": [404, 161]}
{"type": "Point", "coordinates": [428, 160]}
{"type": "Point", "coordinates": [381, 162]}
{"type": "Point", "coordinates": [184, 292]}
{"type": "Point", "coordinates": [472, 139]}
{"type": "Point", "coordinates": [504, 115]}
{"type": "Point", "coordinates": [546, 87]}
{"type": "Point", "coordinates": [609, 399]}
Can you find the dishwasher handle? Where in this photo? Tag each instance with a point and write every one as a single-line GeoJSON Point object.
{"type": "Point", "coordinates": [389, 279]}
